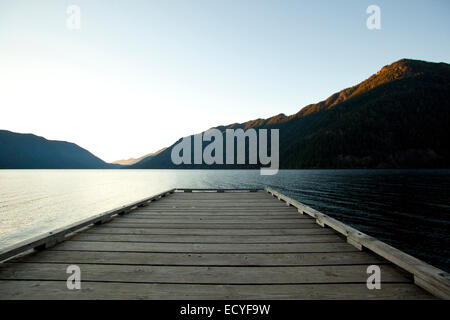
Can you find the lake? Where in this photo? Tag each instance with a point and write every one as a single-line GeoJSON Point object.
{"type": "Point", "coordinates": [409, 209]}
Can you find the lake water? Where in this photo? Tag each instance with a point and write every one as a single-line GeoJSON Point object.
{"type": "Point", "coordinates": [409, 209]}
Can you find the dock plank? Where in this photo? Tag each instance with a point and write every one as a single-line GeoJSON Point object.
{"type": "Point", "coordinates": [139, 291]}
{"type": "Point", "coordinates": [314, 229]}
{"type": "Point", "coordinates": [208, 225]}
{"type": "Point", "coordinates": [214, 217]}
{"type": "Point", "coordinates": [202, 274]}
{"type": "Point", "coordinates": [211, 214]}
{"type": "Point", "coordinates": [207, 259]}
{"type": "Point", "coordinates": [199, 221]}
{"type": "Point", "coordinates": [207, 247]}
{"type": "Point", "coordinates": [90, 236]}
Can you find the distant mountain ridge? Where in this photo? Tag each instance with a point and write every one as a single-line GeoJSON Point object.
{"type": "Point", "coordinates": [131, 161]}
{"type": "Point", "coordinates": [28, 151]}
{"type": "Point", "coordinates": [397, 118]}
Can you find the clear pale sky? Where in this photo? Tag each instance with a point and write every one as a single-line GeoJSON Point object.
{"type": "Point", "coordinates": [141, 74]}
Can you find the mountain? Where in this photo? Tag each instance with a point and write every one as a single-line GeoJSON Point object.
{"type": "Point", "coordinates": [398, 118]}
{"type": "Point", "coordinates": [28, 151]}
{"type": "Point", "coordinates": [132, 161]}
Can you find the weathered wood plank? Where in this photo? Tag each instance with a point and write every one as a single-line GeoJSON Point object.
{"type": "Point", "coordinates": [217, 213]}
{"type": "Point", "coordinates": [89, 236]}
{"type": "Point", "coordinates": [219, 190]}
{"type": "Point", "coordinates": [212, 196]}
{"type": "Point", "coordinates": [221, 202]}
{"type": "Point", "coordinates": [219, 209]}
{"type": "Point", "coordinates": [243, 195]}
{"type": "Point", "coordinates": [106, 228]}
{"type": "Point", "coordinates": [139, 224]}
{"type": "Point", "coordinates": [217, 216]}
{"type": "Point", "coordinates": [222, 198]}
{"type": "Point", "coordinates": [209, 211]}
{"type": "Point", "coordinates": [209, 259]}
{"type": "Point", "coordinates": [201, 274]}
{"type": "Point", "coordinates": [199, 220]}
{"type": "Point", "coordinates": [224, 203]}
{"type": "Point", "coordinates": [206, 247]}
{"type": "Point", "coordinates": [12, 290]}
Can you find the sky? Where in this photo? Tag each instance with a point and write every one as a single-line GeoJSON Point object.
{"type": "Point", "coordinates": [138, 75]}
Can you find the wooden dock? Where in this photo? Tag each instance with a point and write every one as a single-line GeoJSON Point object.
{"type": "Point", "coordinates": [214, 244]}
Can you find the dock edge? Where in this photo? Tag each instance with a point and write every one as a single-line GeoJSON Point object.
{"type": "Point", "coordinates": [432, 279]}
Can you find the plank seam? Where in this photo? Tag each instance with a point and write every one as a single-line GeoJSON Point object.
{"type": "Point", "coordinates": [216, 283]}
{"type": "Point", "coordinates": [205, 265]}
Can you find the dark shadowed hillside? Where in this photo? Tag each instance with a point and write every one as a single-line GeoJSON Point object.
{"type": "Point", "coordinates": [27, 151]}
{"type": "Point", "coordinates": [398, 118]}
